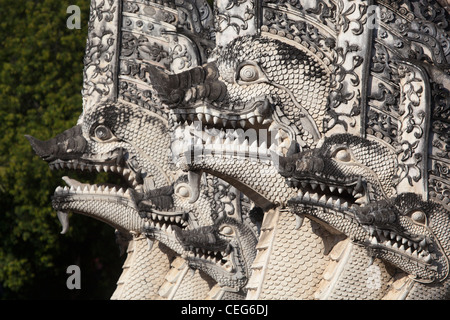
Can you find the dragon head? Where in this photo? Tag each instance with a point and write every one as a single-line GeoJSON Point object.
{"type": "Point", "coordinates": [223, 250]}
{"type": "Point", "coordinates": [344, 171]}
{"type": "Point", "coordinates": [119, 139]}
{"type": "Point", "coordinates": [153, 198]}
{"type": "Point", "coordinates": [404, 231]}
{"type": "Point", "coordinates": [409, 233]}
{"type": "Point", "coordinates": [260, 97]}
{"type": "Point", "coordinates": [352, 181]}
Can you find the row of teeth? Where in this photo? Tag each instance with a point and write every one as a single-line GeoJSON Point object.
{"type": "Point", "coordinates": [92, 189]}
{"type": "Point", "coordinates": [128, 174]}
{"type": "Point", "coordinates": [163, 226]}
{"type": "Point", "coordinates": [327, 188]}
{"type": "Point", "coordinates": [398, 243]}
{"type": "Point", "coordinates": [157, 218]}
{"type": "Point", "coordinates": [330, 200]}
{"type": "Point", "coordinates": [234, 121]}
{"type": "Point", "coordinates": [213, 256]}
{"type": "Point", "coordinates": [197, 253]}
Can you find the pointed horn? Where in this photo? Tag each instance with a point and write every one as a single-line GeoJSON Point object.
{"type": "Point", "coordinates": [41, 148]}
{"type": "Point", "coordinates": [172, 88]}
{"type": "Point", "coordinates": [66, 145]}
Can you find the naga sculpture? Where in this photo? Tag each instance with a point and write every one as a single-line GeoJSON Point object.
{"type": "Point", "coordinates": [329, 117]}
{"type": "Point", "coordinates": [132, 141]}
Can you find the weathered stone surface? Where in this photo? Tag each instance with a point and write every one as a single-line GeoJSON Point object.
{"type": "Point", "coordinates": [273, 149]}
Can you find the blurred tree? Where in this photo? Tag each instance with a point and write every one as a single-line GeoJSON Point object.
{"type": "Point", "coordinates": [41, 63]}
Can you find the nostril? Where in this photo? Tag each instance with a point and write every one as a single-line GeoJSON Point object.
{"type": "Point", "coordinates": [317, 164]}
{"type": "Point", "coordinates": [301, 165]}
{"type": "Point", "coordinates": [305, 164]}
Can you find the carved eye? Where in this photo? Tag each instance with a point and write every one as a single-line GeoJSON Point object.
{"type": "Point", "coordinates": [249, 72]}
{"type": "Point", "coordinates": [226, 231]}
{"type": "Point", "coordinates": [343, 155]}
{"type": "Point", "coordinates": [183, 190]}
{"type": "Point", "coordinates": [103, 133]}
{"type": "Point", "coordinates": [419, 217]}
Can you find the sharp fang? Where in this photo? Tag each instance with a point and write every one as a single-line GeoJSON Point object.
{"type": "Point", "coordinates": [72, 182]}
{"type": "Point", "coordinates": [330, 201]}
{"type": "Point", "coordinates": [306, 196]}
{"type": "Point", "coordinates": [323, 199]}
{"type": "Point", "coordinates": [299, 218]}
{"type": "Point", "coordinates": [63, 217]}
{"type": "Point", "coordinates": [423, 243]}
{"type": "Point", "coordinates": [150, 244]}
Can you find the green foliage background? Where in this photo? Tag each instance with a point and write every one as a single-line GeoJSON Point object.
{"type": "Point", "coordinates": [41, 63]}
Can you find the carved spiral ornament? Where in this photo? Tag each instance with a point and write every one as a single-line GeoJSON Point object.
{"type": "Point", "coordinates": [249, 73]}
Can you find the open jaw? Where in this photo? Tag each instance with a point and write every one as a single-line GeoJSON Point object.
{"type": "Point", "coordinates": [393, 238]}
{"type": "Point", "coordinates": [369, 226]}
{"type": "Point", "coordinates": [111, 162]}
{"type": "Point", "coordinates": [121, 208]}
{"type": "Point", "coordinates": [157, 218]}
{"type": "Point", "coordinates": [204, 145]}
{"type": "Point", "coordinates": [71, 197]}
{"type": "Point", "coordinates": [222, 267]}
{"type": "Point", "coordinates": [154, 205]}
{"type": "Point", "coordinates": [385, 242]}
{"type": "Point", "coordinates": [198, 254]}
{"type": "Point", "coordinates": [222, 260]}
{"type": "Point", "coordinates": [219, 256]}
{"type": "Point", "coordinates": [254, 133]}
{"type": "Point", "coordinates": [256, 113]}
{"type": "Point", "coordinates": [333, 205]}
{"type": "Point", "coordinates": [112, 206]}
{"type": "Point", "coordinates": [413, 254]}
{"type": "Point", "coordinates": [338, 196]}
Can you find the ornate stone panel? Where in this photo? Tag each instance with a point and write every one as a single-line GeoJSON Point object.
{"type": "Point", "coordinates": [273, 149]}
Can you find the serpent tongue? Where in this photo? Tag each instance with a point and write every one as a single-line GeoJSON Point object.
{"type": "Point", "coordinates": [194, 182]}
{"type": "Point", "coordinates": [72, 182]}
